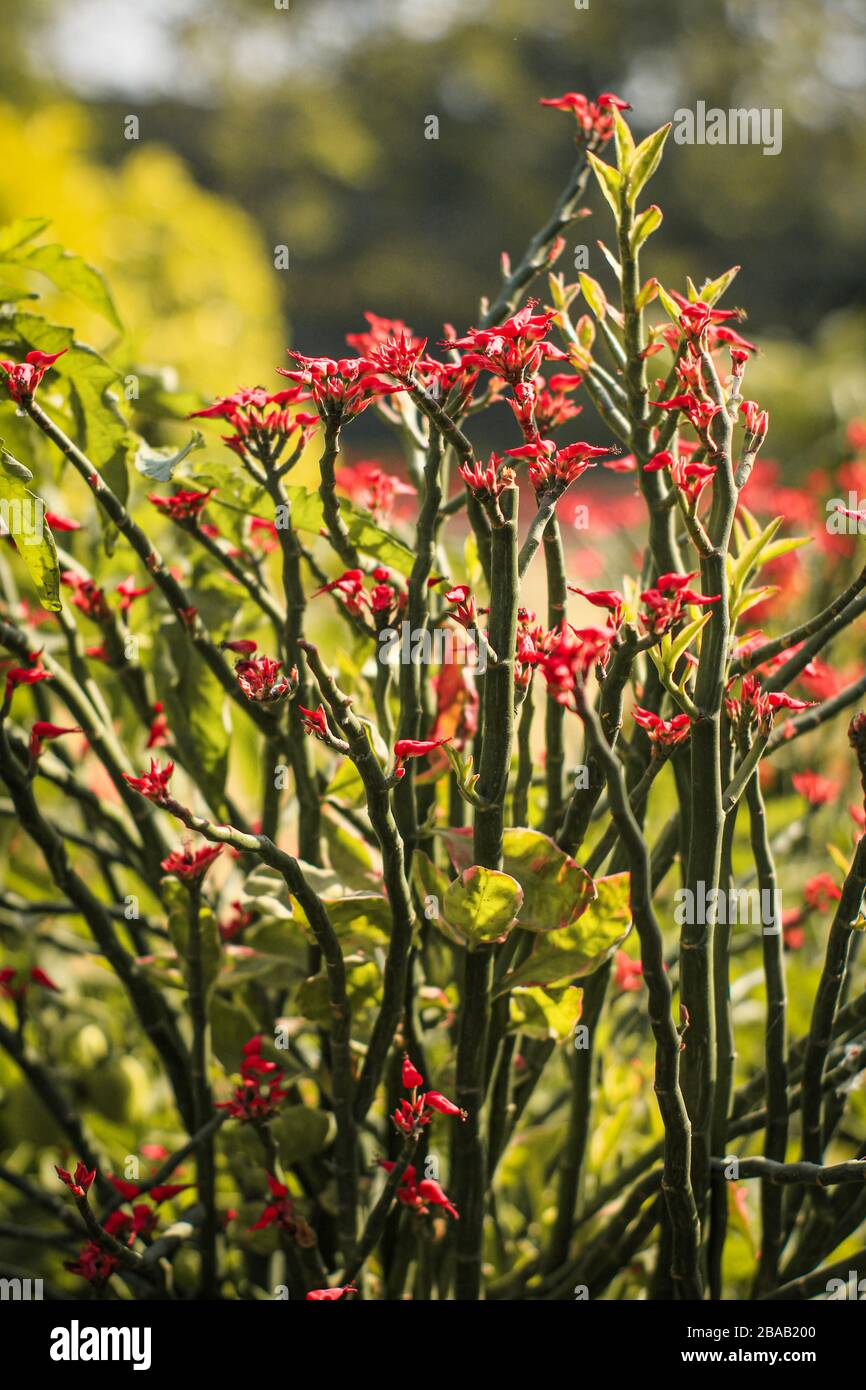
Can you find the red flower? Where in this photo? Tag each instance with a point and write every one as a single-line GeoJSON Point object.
{"type": "Point", "coordinates": [371, 487]}
{"type": "Point", "coordinates": [61, 523]}
{"type": "Point", "coordinates": [816, 789]}
{"type": "Point", "coordinates": [489, 481]}
{"type": "Point", "coordinates": [259, 681]}
{"type": "Point", "coordinates": [665, 732]}
{"type": "Point", "coordinates": [280, 1211]}
{"type": "Point", "coordinates": [42, 731]}
{"type": "Point", "coordinates": [152, 784]}
{"type": "Point", "coordinates": [667, 599]}
{"type": "Point", "coordinates": [628, 974]}
{"type": "Point", "coordinates": [243, 646]}
{"type": "Point", "coordinates": [757, 420]}
{"type": "Point", "coordinates": [820, 891]}
{"type": "Point", "coordinates": [410, 1075]}
{"type": "Point", "coordinates": [23, 378]}
{"type": "Point", "coordinates": [695, 318]}
{"type": "Point", "coordinates": [436, 1101]}
{"type": "Point", "coordinates": [566, 659]}
{"type": "Point", "coordinates": [18, 991]}
{"type": "Point", "coordinates": [129, 593]}
{"type": "Point", "coordinates": [330, 1295]}
{"type": "Point", "coordinates": [611, 599]}
{"type": "Point", "coordinates": [414, 748]}
{"type": "Point", "coordinates": [191, 865]}
{"type": "Point", "coordinates": [39, 977]}
{"type": "Point", "coordinates": [24, 675]}
{"type": "Point", "coordinates": [185, 505]}
{"type": "Point", "coordinates": [595, 124]}
{"type": "Point", "coordinates": [260, 1092]}
{"type": "Point", "coordinates": [87, 596]}
{"type": "Point", "coordinates": [79, 1183]}
{"type": "Point", "coordinates": [430, 1191]}
{"type": "Point", "coordinates": [158, 734]}
{"type": "Point", "coordinates": [315, 721]}
{"type": "Point", "coordinates": [547, 462]}
{"type": "Point", "coordinates": [93, 1264]}
{"type": "Point", "coordinates": [515, 349]}
{"type": "Point", "coordinates": [341, 387]}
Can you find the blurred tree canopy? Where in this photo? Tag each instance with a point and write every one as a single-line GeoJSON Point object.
{"type": "Point", "coordinates": [312, 119]}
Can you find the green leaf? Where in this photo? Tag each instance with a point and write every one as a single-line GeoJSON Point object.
{"type": "Point", "coordinates": [611, 260]}
{"type": "Point", "coordinates": [232, 1025]}
{"type": "Point", "coordinates": [362, 921]}
{"type": "Point", "coordinates": [481, 906]}
{"type": "Point", "coordinates": [580, 948]}
{"type": "Point", "coordinates": [649, 221]}
{"type": "Point", "coordinates": [71, 274]}
{"type": "Point", "coordinates": [671, 308]}
{"type": "Point", "coordinates": [624, 143]}
{"type": "Point", "coordinates": [24, 515]}
{"type": "Point", "coordinates": [301, 1133]}
{"type": "Point", "coordinates": [750, 556]}
{"type": "Point", "coordinates": [593, 294]}
{"type": "Point", "coordinates": [646, 160]}
{"type": "Point", "coordinates": [556, 890]}
{"type": "Point", "coordinates": [547, 1014]}
{"type": "Point", "coordinates": [363, 987]}
{"type": "Point", "coordinates": [19, 232]}
{"type": "Point", "coordinates": [609, 181]}
{"type": "Point", "coordinates": [307, 515]}
{"type": "Point", "coordinates": [712, 290]}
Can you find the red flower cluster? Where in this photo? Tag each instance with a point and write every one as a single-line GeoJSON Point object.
{"type": "Point", "coordinates": [568, 655]}
{"type": "Point", "coordinates": [489, 481]}
{"type": "Point", "coordinates": [514, 350]}
{"type": "Point", "coordinates": [665, 733]}
{"type": "Point", "coordinates": [371, 487]}
{"type": "Point", "coordinates": [759, 706]}
{"type": "Point", "coordinates": [87, 596]}
{"type": "Point", "coordinates": [18, 990]}
{"type": "Point", "coordinates": [594, 121]}
{"type": "Point", "coordinates": [420, 1196]}
{"type": "Point", "coordinates": [665, 602]}
{"type": "Point", "coordinates": [185, 506]}
{"type": "Point", "coordinates": [547, 463]}
{"type": "Point", "coordinates": [690, 477]}
{"type": "Point", "coordinates": [262, 421]}
{"type": "Point", "coordinates": [22, 378]}
{"type": "Point", "coordinates": [540, 406]}
{"type": "Point", "coordinates": [79, 1182]}
{"type": "Point", "coordinates": [383, 599]}
{"type": "Point", "coordinates": [152, 784]}
{"type": "Point", "coordinates": [258, 678]}
{"type": "Point", "coordinates": [191, 865]}
{"type": "Point", "coordinates": [280, 1212]}
{"type": "Point", "coordinates": [261, 1091]}
{"type": "Point", "coordinates": [341, 387]}
{"type": "Point", "coordinates": [411, 1116]}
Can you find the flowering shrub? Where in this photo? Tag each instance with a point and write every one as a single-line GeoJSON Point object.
{"type": "Point", "coordinates": [316, 878]}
